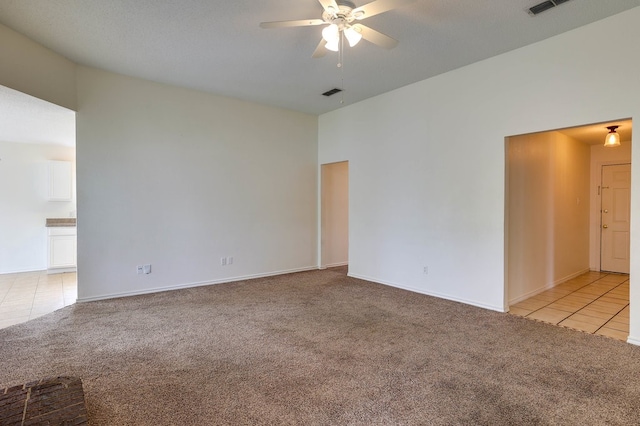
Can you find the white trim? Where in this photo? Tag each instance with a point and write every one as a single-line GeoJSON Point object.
{"type": "Point", "coordinates": [633, 340]}
{"type": "Point", "coordinates": [334, 265]}
{"type": "Point", "coordinates": [191, 285]}
{"type": "Point", "coordinates": [61, 270]}
{"type": "Point", "coordinates": [547, 287]}
{"type": "Point", "coordinates": [21, 271]}
{"type": "Point", "coordinates": [434, 294]}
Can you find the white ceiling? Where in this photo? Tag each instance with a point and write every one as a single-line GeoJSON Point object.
{"type": "Point", "coordinates": [217, 46]}
{"type": "Point", "coordinates": [26, 119]}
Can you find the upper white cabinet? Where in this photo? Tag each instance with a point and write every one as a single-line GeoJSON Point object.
{"type": "Point", "coordinates": [60, 182]}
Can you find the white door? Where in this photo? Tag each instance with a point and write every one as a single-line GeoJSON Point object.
{"type": "Point", "coordinates": [615, 218]}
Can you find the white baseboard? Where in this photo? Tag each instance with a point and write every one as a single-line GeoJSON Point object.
{"type": "Point", "coordinates": [60, 270]}
{"type": "Point", "coordinates": [547, 287]}
{"type": "Point", "coordinates": [191, 285]}
{"type": "Point", "coordinates": [633, 340]}
{"type": "Point", "coordinates": [21, 271]}
{"type": "Point", "coordinates": [434, 294]}
{"type": "Point", "coordinates": [335, 265]}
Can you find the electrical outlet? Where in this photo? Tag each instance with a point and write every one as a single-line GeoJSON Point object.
{"type": "Point", "coordinates": [425, 270]}
{"type": "Point", "coordinates": [223, 261]}
{"type": "Point", "coordinates": [139, 269]}
{"type": "Point", "coordinates": [230, 260]}
{"type": "Point", "coordinates": [146, 268]}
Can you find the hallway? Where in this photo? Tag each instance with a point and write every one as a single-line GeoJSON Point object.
{"type": "Point", "coordinates": [594, 302]}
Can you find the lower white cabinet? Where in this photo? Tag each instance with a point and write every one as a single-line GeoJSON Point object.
{"type": "Point", "coordinates": [62, 250]}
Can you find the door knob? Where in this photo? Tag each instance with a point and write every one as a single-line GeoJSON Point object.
{"type": "Point", "coordinates": [605, 211]}
{"type": "Point", "coordinates": [605, 226]}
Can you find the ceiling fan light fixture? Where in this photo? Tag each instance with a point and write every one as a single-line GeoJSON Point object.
{"type": "Point", "coordinates": [612, 139]}
{"type": "Point", "coordinates": [331, 34]}
{"type": "Point", "coordinates": [353, 36]}
{"type": "Point", "coordinates": [332, 46]}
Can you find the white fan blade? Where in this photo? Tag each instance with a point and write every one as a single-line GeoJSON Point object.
{"type": "Point", "coordinates": [378, 6]}
{"type": "Point", "coordinates": [320, 50]}
{"type": "Point", "coordinates": [298, 23]}
{"type": "Point", "coordinates": [375, 37]}
{"type": "Point", "coordinates": [330, 6]}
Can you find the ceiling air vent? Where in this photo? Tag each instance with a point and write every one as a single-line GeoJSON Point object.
{"type": "Point", "coordinates": [545, 5]}
{"type": "Point", "coordinates": [332, 92]}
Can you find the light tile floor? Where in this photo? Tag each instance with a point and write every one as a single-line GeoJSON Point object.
{"type": "Point", "coordinates": [594, 302]}
{"type": "Point", "coordinates": [29, 295]}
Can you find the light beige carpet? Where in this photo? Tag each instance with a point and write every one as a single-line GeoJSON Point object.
{"type": "Point", "coordinates": [320, 348]}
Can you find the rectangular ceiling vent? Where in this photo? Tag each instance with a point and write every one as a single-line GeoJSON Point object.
{"type": "Point", "coordinates": [545, 5]}
{"type": "Point", "coordinates": [332, 92]}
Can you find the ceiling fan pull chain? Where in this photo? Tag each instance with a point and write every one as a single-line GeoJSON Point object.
{"type": "Point", "coordinates": [340, 50]}
{"type": "Point", "coordinates": [341, 60]}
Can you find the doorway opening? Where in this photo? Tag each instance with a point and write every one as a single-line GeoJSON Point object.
{"type": "Point", "coordinates": [37, 219]}
{"type": "Point", "coordinates": [334, 215]}
{"type": "Point", "coordinates": [564, 255]}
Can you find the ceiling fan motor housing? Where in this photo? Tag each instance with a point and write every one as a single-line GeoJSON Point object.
{"type": "Point", "coordinates": [341, 16]}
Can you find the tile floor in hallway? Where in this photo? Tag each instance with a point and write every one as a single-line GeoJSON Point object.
{"type": "Point", "coordinates": [594, 302]}
{"type": "Point", "coordinates": [28, 295]}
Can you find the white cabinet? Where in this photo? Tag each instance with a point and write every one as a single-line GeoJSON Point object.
{"type": "Point", "coordinates": [60, 181]}
{"type": "Point", "coordinates": [62, 249]}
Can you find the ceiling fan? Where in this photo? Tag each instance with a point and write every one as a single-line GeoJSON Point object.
{"type": "Point", "coordinates": [339, 17]}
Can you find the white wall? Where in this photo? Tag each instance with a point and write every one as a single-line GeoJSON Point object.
{"type": "Point", "coordinates": [547, 210]}
{"type": "Point", "coordinates": [33, 69]}
{"type": "Point", "coordinates": [25, 208]}
{"type": "Point", "coordinates": [440, 201]}
{"type": "Point", "coordinates": [571, 208]}
{"type": "Point", "coordinates": [178, 179]}
{"type": "Point", "coordinates": [335, 214]}
{"type": "Point", "coordinates": [601, 156]}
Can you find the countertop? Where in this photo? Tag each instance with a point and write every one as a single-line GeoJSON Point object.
{"type": "Point", "coordinates": [60, 222]}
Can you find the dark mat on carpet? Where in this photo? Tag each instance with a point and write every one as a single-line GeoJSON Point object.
{"type": "Point", "coordinates": [53, 401]}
